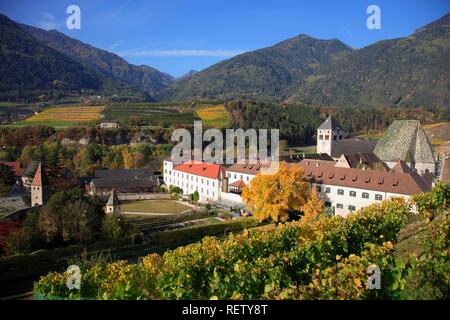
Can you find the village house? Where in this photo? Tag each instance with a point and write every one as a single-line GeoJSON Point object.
{"type": "Point", "coordinates": [109, 125]}
{"type": "Point", "coordinates": [16, 168]}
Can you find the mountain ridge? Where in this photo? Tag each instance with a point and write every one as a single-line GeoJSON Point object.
{"type": "Point", "coordinates": [406, 71]}
{"type": "Point", "coordinates": [143, 77]}
{"type": "Point", "coordinates": [264, 71]}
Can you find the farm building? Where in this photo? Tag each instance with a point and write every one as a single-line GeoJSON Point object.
{"type": "Point", "coordinates": [109, 125]}
{"type": "Point", "coordinates": [122, 181]}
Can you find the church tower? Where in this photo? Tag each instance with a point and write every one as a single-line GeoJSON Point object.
{"type": "Point", "coordinates": [39, 187]}
{"type": "Point", "coordinates": [112, 206]}
{"type": "Point", "coordinates": [329, 132]}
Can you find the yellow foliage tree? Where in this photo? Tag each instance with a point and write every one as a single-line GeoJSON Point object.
{"type": "Point", "coordinates": [275, 196]}
{"type": "Point", "coordinates": [128, 160]}
{"type": "Point", "coordinates": [313, 207]}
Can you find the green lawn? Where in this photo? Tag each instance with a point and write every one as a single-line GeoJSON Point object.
{"type": "Point", "coordinates": [154, 206]}
{"type": "Point", "coordinates": [304, 149]}
{"type": "Point", "coordinates": [9, 104]}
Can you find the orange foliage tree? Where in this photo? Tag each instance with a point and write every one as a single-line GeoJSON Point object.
{"type": "Point", "coordinates": [275, 196]}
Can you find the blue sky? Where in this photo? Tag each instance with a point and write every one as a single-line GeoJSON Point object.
{"type": "Point", "coordinates": [176, 36]}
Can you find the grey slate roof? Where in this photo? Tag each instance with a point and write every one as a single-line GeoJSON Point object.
{"type": "Point", "coordinates": [330, 123]}
{"type": "Point", "coordinates": [300, 157]}
{"type": "Point", "coordinates": [122, 178]}
{"type": "Point", "coordinates": [31, 169]}
{"type": "Point", "coordinates": [353, 146]}
{"type": "Point", "coordinates": [405, 140]}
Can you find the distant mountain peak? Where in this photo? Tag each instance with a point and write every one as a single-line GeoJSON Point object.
{"type": "Point", "coordinates": [312, 71]}
{"type": "Point", "coordinates": [109, 64]}
{"type": "Point", "coordinates": [188, 74]}
{"type": "Point", "coordinates": [442, 22]}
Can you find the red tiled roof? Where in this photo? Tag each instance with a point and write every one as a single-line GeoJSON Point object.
{"type": "Point", "coordinates": [37, 180]}
{"type": "Point", "coordinates": [392, 182]}
{"type": "Point", "coordinates": [248, 167]}
{"type": "Point", "coordinates": [203, 169]}
{"type": "Point", "coordinates": [238, 184]}
{"type": "Point", "coordinates": [401, 167]}
{"type": "Point", "coordinates": [16, 167]}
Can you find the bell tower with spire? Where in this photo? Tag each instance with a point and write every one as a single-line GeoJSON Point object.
{"type": "Point", "coordinates": [39, 187]}
{"type": "Point", "coordinates": [112, 206]}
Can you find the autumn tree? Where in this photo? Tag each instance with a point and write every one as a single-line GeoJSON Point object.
{"type": "Point", "coordinates": [128, 160]}
{"type": "Point", "coordinates": [277, 196]}
{"type": "Point", "coordinates": [313, 207]}
{"type": "Point", "coordinates": [71, 217]}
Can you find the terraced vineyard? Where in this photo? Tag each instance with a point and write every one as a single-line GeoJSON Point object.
{"type": "Point", "coordinates": [152, 114]}
{"type": "Point", "coordinates": [150, 224]}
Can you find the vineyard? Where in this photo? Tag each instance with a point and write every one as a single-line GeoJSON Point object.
{"type": "Point", "coordinates": [215, 116]}
{"type": "Point", "coordinates": [65, 115]}
{"type": "Point", "coordinates": [326, 258]}
{"type": "Point", "coordinates": [150, 114]}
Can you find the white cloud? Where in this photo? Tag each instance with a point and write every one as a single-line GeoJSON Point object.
{"type": "Point", "coordinates": [181, 53]}
{"type": "Point", "coordinates": [49, 16]}
{"type": "Point", "coordinates": [117, 44]}
{"type": "Point", "coordinates": [49, 21]}
{"type": "Point", "coordinates": [48, 25]}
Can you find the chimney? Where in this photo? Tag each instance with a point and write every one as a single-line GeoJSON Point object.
{"type": "Point", "coordinates": [225, 184]}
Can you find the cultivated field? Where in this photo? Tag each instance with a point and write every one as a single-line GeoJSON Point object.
{"type": "Point", "coordinates": [76, 114]}
{"type": "Point", "coordinates": [215, 116]}
{"type": "Point", "coordinates": [151, 114]}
